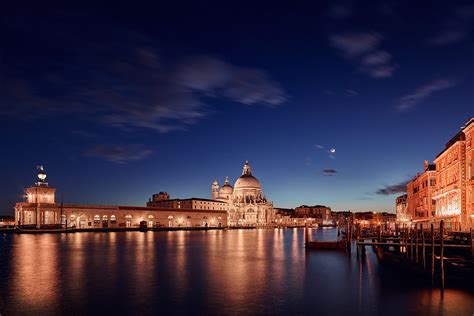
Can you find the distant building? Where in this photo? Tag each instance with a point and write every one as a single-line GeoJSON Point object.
{"type": "Point", "coordinates": [401, 209]}
{"type": "Point", "coordinates": [191, 203]}
{"type": "Point", "coordinates": [374, 219]}
{"type": "Point", "coordinates": [41, 210]}
{"type": "Point", "coordinates": [7, 221]}
{"type": "Point", "coordinates": [420, 192]}
{"type": "Point", "coordinates": [321, 213]}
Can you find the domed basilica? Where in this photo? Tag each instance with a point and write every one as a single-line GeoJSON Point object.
{"type": "Point", "coordinates": [247, 206]}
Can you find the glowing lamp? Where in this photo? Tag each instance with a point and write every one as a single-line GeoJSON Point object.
{"type": "Point", "coordinates": [41, 173]}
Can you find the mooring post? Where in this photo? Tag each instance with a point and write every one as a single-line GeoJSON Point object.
{"type": "Point", "coordinates": [441, 237]}
{"type": "Point", "coordinates": [306, 234]}
{"type": "Point", "coordinates": [416, 243]}
{"type": "Point", "coordinates": [471, 237]}
{"type": "Point", "coordinates": [411, 243]}
{"type": "Point", "coordinates": [405, 237]}
{"type": "Point", "coordinates": [423, 254]}
{"type": "Point", "coordinates": [432, 254]}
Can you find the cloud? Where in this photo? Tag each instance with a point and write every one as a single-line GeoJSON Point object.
{"type": "Point", "coordinates": [351, 93]}
{"type": "Point", "coordinates": [319, 146]}
{"type": "Point", "coordinates": [119, 154]}
{"type": "Point", "coordinates": [393, 189]}
{"type": "Point", "coordinates": [363, 49]}
{"type": "Point", "coordinates": [127, 85]}
{"type": "Point", "coordinates": [353, 44]}
{"type": "Point", "coordinates": [456, 27]}
{"type": "Point", "coordinates": [447, 37]}
{"type": "Point", "coordinates": [329, 172]}
{"type": "Point", "coordinates": [411, 100]}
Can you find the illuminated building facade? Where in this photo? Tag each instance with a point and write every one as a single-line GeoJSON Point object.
{"type": "Point", "coordinates": [419, 193]}
{"type": "Point", "coordinates": [246, 204]}
{"type": "Point", "coordinates": [447, 190]}
{"type": "Point", "coordinates": [41, 210]}
{"type": "Point", "coordinates": [401, 207]}
{"type": "Point", "coordinates": [455, 179]}
{"type": "Point", "coordinates": [321, 213]}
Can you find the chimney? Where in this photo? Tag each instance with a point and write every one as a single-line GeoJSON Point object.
{"type": "Point", "coordinates": [426, 165]}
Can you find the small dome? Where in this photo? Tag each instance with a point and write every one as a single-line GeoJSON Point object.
{"type": "Point", "coordinates": [226, 188]}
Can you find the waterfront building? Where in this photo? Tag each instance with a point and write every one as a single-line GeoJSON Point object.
{"type": "Point", "coordinates": [7, 221]}
{"type": "Point", "coordinates": [246, 203]}
{"type": "Point", "coordinates": [420, 205]}
{"type": "Point", "coordinates": [455, 179]}
{"type": "Point", "coordinates": [321, 213]}
{"type": "Point", "coordinates": [401, 207]}
{"type": "Point", "coordinates": [191, 203]}
{"type": "Point", "coordinates": [375, 219]}
{"type": "Point", "coordinates": [41, 210]}
{"type": "Point", "coordinates": [446, 190]}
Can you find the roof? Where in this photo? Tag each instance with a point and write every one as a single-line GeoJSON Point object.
{"type": "Point", "coordinates": [190, 199]}
{"type": "Point", "coordinates": [127, 207]}
{"type": "Point", "coordinates": [458, 137]}
{"type": "Point", "coordinates": [313, 206]}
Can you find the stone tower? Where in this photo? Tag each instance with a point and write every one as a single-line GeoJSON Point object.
{"type": "Point", "coordinates": [215, 190]}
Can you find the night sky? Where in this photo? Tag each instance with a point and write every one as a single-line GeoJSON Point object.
{"type": "Point", "coordinates": [120, 102]}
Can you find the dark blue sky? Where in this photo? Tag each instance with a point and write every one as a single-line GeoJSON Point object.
{"type": "Point", "coordinates": [121, 102]}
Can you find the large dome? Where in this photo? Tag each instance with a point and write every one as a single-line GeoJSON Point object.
{"type": "Point", "coordinates": [247, 180]}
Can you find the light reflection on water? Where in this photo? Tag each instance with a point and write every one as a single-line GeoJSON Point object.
{"type": "Point", "coordinates": [223, 272]}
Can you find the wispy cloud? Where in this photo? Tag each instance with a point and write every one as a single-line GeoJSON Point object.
{"type": "Point", "coordinates": [456, 27]}
{"type": "Point", "coordinates": [129, 86]}
{"type": "Point", "coordinates": [411, 100]}
{"type": "Point", "coordinates": [351, 93]}
{"type": "Point", "coordinates": [363, 48]}
{"type": "Point", "coordinates": [447, 37]}
{"type": "Point", "coordinates": [120, 154]}
{"type": "Point", "coordinates": [353, 44]}
{"type": "Point", "coordinates": [393, 189]}
{"type": "Point", "coordinates": [329, 172]}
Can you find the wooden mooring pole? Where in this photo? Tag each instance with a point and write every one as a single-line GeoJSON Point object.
{"type": "Point", "coordinates": [416, 243]}
{"type": "Point", "coordinates": [471, 238]}
{"type": "Point", "coordinates": [441, 237]}
{"type": "Point", "coordinates": [306, 234]}
{"type": "Point", "coordinates": [432, 255]}
{"type": "Point", "coordinates": [423, 245]}
{"type": "Point", "coordinates": [405, 236]}
{"type": "Point", "coordinates": [411, 243]}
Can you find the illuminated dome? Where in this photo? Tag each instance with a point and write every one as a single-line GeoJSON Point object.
{"type": "Point", "coordinates": [226, 188]}
{"type": "Point", "coordinates": [247, 180]}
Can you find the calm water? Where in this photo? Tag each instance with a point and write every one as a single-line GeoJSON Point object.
{"type": "Point", "coordinates": [214, 272]}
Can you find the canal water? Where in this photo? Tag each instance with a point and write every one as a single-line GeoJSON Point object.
{"type": "Point", "coordinates": [243, 272]}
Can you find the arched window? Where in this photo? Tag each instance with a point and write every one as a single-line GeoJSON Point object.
{"type": "Point", "coordinates": [113, 219]}
{"type": "Point", "coordinates": [104, 218]}
{"type": "Point", "coordinates": [96, 219]}
{"type": "Point", "coordinates": [170, 217]}
{"type": "Point", "coordinates": [151, 216]}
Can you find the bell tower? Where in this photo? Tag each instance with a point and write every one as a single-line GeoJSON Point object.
{"type": "Point", "coordinates": [215, 190]}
